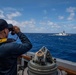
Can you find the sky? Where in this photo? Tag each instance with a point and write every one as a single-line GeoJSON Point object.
{"type": "Point", "coordinates": [40, 16]}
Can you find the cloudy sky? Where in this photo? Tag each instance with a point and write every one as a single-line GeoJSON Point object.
{"type": "Point", "coordinates": [40, 16]}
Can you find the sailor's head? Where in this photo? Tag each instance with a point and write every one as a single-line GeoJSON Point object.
{"type": "Point", "coordinates": [4, 28]}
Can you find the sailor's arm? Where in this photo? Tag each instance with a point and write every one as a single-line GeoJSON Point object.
{"type": "Point", "coordinates": [26, 44]}
{"type": "Point", "coordinates": [24, 39]}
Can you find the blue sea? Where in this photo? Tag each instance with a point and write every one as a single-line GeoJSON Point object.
{"type": "Point", "coordinates": [63, 47]}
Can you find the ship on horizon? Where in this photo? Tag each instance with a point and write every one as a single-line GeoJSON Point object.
{"type": "Point", "coordinates": [62, 34]}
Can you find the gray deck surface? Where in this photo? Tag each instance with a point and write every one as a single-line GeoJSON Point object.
{"type": "Point", "coordinates": [25, 72]}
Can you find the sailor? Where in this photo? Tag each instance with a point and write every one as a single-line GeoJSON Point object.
{"type": "Point", "coordinates": [10, 50]}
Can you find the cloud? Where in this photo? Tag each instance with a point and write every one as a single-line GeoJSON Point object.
{"type": "Point", "coordinates": [36, 26]}
{"type": "Point", "coordinates": [9, 14]}
{"type": "Point", "coordinates": [2, 14]}
{"type": "Point", "coordinates": [25, 26]}
{"type": "Point", "coordinates": [74, 27]}
{"type": "Point", "coordinates": [60, 17]}
{"type": "Point", "coordinates": [70, 27]}
{"type": "Point", "coordinates": [49, 24]}
{"type": "Point", "coordinates": [31, 26]}
{"type": "Point", "coordinates": [14, 22]}
{"type": "Point", "coordinates": [9, 9]}
{"type": "Point", "coordinates": [14, 14]}
{"type": "Point", "coordinates": [72, 11]}
{"type": "Point", "coordinates": [31, 22]}
{"type": "Point", "coordinates": [71, 16]}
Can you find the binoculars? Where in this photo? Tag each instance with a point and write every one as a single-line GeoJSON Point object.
{"type": "Point", "coordinates": [10, 27]}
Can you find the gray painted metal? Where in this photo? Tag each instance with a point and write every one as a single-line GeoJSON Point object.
{"type": "Point", "coordinates": [60, 62]}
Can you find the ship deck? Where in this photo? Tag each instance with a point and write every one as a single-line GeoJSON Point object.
{"type": "Point", "coordinates": [63, 65]}
{"type": "Point", "coordinates": [24, 73]}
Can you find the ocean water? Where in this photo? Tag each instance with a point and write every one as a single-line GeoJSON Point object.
{"type": "Point", "coordinates": [63, 47]}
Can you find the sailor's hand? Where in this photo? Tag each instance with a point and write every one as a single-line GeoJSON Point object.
{"type": "Point", "coordinates": [16, 29]}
